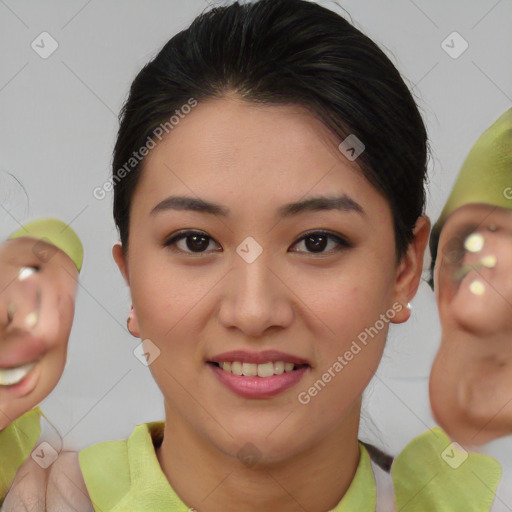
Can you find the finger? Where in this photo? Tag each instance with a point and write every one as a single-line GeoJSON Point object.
{"type": "Point", "coordinates": [28, 490]}
{"type": "Point", "coordinates": [66, 490]}
{"type": "Point", "coordinates": [24, 303]}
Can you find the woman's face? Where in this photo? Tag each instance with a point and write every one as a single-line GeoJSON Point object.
{"type": "Point", "coordinates": [36, 314]}
{"type": "Point", "coordinates": [245, 281]}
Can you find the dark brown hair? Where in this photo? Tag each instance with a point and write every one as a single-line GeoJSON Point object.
{"type": "Point", "coordinates": [285, 52]}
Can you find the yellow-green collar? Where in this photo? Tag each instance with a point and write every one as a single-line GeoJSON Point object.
{"type": "Point", "coordinates": [126, 475]}
{"type": "Point", "coordinates": [434, 473]}
{"type": "Point", "coordinates": [16, 442]}
{"type": "Point", "coordinates": [361, 495]}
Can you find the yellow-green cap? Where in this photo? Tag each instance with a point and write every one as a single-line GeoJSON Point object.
{"type": "Point", "coordinates": [57, 233]}
{"type": "Point", "coordinates": [485, 175]}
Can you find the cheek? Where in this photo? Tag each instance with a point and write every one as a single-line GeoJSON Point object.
{"type": "Point", "coordinates": [349, 319]}
{"type": "Point", "coordinates": [355, 300]}
{"type": "Point", "coordinates": [163, 297]}
{"type": "Point", "coordinates": [170, 303]}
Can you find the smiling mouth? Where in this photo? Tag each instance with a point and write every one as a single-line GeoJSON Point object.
{"type": "Point", "coordinates": [268, 369]}
{"type": "Point", "coordinates": [12, 376]}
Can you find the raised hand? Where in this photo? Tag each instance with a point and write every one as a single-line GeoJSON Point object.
{"type": "Point", "coordinates": [471, 379]}
{"type": "Point", "coordinates": [38, 284]}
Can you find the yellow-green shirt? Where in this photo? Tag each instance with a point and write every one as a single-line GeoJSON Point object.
{"type": "Point", "coordinates": [124, 476]}
{"type": "Point", "coordinates": [16, 443]}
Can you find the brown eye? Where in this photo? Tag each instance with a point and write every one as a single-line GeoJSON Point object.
{"type": "Point", "coordinates": [195, 242]}
{"type": "Point", "coordinates": [316, 242]}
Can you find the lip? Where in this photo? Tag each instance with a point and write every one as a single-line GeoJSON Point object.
{"type": "Point", "coordinates": [26, 386]}
{"type": "Point", "coordinates": [258, 357]}
{"type": "Point", "coordinates": [25, 348]}
{"type": "Point", "coordinates": [258, 387]}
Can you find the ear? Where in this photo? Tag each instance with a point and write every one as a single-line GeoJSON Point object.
{"type": "Point", "coordinates": [119, 258]}
{"type": "Point", "coordinates": [410, 268]}
{"type": "Point", "coordinates": [122, 264]}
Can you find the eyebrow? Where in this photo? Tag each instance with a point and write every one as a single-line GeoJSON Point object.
{"type": "Point", "coordinates": [342, 203]}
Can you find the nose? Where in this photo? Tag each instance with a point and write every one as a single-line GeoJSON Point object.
{"type": "Point", "coordinates": [256, 298]}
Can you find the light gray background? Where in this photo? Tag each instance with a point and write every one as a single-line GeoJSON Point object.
{"type": "Point", "coordinates": [58, 120]}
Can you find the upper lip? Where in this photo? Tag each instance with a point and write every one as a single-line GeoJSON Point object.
{"type": "Point", "coordinates": [257, 357]}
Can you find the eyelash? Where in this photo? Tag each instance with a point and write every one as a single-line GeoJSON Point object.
{"type": "Point", "coordinates": [342, 243]}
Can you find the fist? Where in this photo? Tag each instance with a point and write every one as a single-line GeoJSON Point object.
{"type": "Point", "coordinates": [38, 284]}
{"type": "Point", "coordinates": [471, 377]}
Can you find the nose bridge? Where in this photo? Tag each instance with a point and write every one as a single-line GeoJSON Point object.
{"type": "Point", "coordinates": [252, 282]}
{"type": "Point", "coordinates": [256, 298]}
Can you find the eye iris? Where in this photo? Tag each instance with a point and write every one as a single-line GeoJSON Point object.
{"type": "Point", "coordinates": [320, 246]}
{"type": "Point", "coordinates": [200, 242]}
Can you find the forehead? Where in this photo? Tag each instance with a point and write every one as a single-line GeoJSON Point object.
{"type": "Point", "coordinates": [229, 147]}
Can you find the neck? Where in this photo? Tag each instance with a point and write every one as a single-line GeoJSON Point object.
{"type": "Point", "coordinates": [208, 479]}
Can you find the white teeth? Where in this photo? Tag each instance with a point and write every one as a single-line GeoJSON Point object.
{"type": "Point", "coordinates": [288, 367]}
{"type": "Point", "coordinates": [265, 370]}
{"type": "Point", "coordinates": [261, 370]}
{"type": "Point", "coordinates": [10, 376]}
{"type": "Point", "coordinates": [278, 367]}
{"type": "Point", "coordinates": [250, 369]}
{"type": "Point", "coordinates": [236, 368]}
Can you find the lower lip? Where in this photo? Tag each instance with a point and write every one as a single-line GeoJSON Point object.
{"type": "Point", "coordinates": [25, 386]}
{"type": "Point", "coordinates": [258, 387]}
